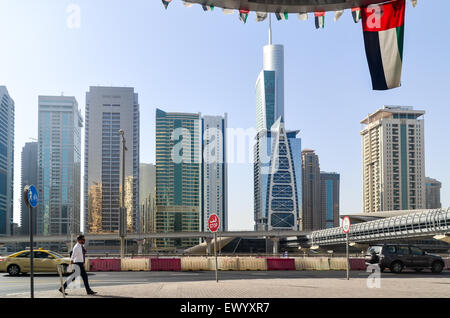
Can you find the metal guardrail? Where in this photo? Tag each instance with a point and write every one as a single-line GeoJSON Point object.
{"type": "Point", "coordinates": [416, 224]}
{"type": "Point", "coordinates": [141, 236]}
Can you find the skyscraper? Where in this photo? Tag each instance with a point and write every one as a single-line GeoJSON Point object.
{"type": "Point", "coordinates": [433, 193]}
{"type": "Point", "coordinates": [147, 196]}
{"type": "Point", "coordinates": [329, 199]}
{"type": "Point", "coordinates": [312, 217]}
{"type": "Point", "coordinates": [277, 179]}
{"type": "Point", "coordinates": [270, 86]}
{"type": "Point", "coordinates": [6, 161]}
{"type": "Point", "coordinates": [59, 165]}
{"type": "Point", "coordinates": [393, 160]}
{"type": "Point", "coordinates": [109, 109]}
{"type": "Point", "coordinates": [178, 176]}
{"type": "Point", "coordinates": [29, 176]}
{"type": "Point", "coordinates": [277, 152]}
{"type": "Point", "coordinates": [214, 171]}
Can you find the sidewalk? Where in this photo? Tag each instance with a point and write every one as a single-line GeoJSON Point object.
{"type": "Point", "coordinates": [430, 287]}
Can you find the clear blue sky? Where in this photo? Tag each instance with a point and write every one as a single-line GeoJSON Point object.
{"type": "Point", "coordinates": [184, 59]}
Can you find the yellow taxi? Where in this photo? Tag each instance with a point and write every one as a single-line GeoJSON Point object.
{"type": "Point", "coordinates": [44, 261]}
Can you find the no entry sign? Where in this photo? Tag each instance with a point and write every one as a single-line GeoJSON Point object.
{"type": "Point", "coordinates": [213, 223]}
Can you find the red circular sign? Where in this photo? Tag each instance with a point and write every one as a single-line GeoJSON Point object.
{"type": "Point", "coordinates": [346, 224]}
{"type": "Point", "coordinates": [213, 223]}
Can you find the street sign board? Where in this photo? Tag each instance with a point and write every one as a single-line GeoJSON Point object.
{"type": "Point", "coordinates": [31, 196]}
{"type": "Point", "coordinates": [346, 224]}
{"type": "Point", "coordinates": [213, 223]}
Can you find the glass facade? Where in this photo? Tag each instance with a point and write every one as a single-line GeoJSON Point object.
{"type": "Point", "coordinates": [178, 176]}
{"type": "Point", "coordinates": [277, 175]}
{"type": "Point", "coordinates": [59, 158]}
{"type": "Point", "coordinates": [7, 107]}
{"type": "Point", "coordinates": [329, 196]}
{"type": "Point", "coordinates": [109, 109]}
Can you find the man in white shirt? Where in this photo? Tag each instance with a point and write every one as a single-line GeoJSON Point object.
{"type": "Point", "coordinates": [77, 258]}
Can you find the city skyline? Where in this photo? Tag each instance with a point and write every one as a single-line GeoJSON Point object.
{"type": "Point", "coordinates": [308, 115]}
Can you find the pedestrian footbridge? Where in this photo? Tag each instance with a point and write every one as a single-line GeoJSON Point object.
{"type": "Point", "coordinates": [407, 225]}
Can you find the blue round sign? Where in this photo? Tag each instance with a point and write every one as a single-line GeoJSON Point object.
{"type": "Point", "coordinates": [33, 196]}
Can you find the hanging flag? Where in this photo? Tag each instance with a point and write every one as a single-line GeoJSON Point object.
{"type": "Point", "coordinates": [338, 14]}
{"type": "Point", "coordinates": [227, 11]}
{"type": "Point", "coordinates": [414, 3]}
{"type": "Point", "coordinates": [320, 19]}
{"type": "Point", "coordinates": [281, 16]}
{"type": "Point", "coordinates": [303, 16]}
{"type": "Point", "coordinates": [356, 13]}
{"type": "Point", "coordinates": [261, 16]}
{"type": "Point", "coordinates": [188, 4]}
{"type": "Point", "coordinates": [243, 15]}
{"type": "Point", "coordinates": [207, 7]}
{"type": "Point", "coordinates": [383, 27]}
{"type": "Point", "coordinates": [166, 3]}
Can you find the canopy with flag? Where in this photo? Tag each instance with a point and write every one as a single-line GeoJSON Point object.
{"type": "Point", "coordinates": [383, 28]}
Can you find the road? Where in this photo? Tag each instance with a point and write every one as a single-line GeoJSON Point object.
{"type": "Point", "coordinates": [9, 286]}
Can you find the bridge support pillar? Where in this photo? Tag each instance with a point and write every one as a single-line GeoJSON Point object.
{"type": "Point", "coordinates": [140, 243]}
{"type": "Point", "coordinates": [208, 241]}
{"type": "Point", "coordinates": [275, 241]}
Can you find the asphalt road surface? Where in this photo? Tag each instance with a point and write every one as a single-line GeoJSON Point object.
{"type": "Point", "coordinates": [45, 282]}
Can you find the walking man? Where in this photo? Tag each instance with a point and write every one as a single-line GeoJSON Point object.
{"type": "Point", "coordinates": [77, 259]}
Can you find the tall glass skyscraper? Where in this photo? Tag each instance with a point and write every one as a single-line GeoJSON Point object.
{"type": "Point", "coordinates": [6, 161]}
{"type": "Point", "coordinates": [109, 109]}
{"type": "Point", "coordinates": [178, 176]}
{"type": "Point", "coordinates": [270, 86]}
{"type": "Point", "coordinates": [329, 197]}
{"type": "Point", "coordinates": [214, 171]}
{"type": "Point", "coordinates": [277, 152]}
{"type": "Point", "coordinates": [277, 179]}
{"type": "Point", "coordinates": [29, 176]}
{"type": "Point", "coordinates": [59, 165]}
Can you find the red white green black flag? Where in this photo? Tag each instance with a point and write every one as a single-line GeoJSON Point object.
{"type": "Point", "coordinates": [243, 15]}
{"type": "Point", "coordinates": [166, 3]}
{"type": "Point", "coordinates": [383, 27]}
{"type": "Point", "coordinates": [281, 15]}
{"type": "Point", "coordinates": [320, 19]}
{"type": "Point", "coordinates": [356, 13]}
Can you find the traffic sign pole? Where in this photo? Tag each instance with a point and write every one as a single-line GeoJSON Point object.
{"type": "Point", "coordinates": [215, 255]}
{"type": "Point", "coordinates": [348, 260]}
{"type": "Point", "coordinates": [346, 228]}
{"type": "Point", "coordinates": [31, 254]}
{"type": "Point", "coordinates": [213, 226]}
{"type": "Point", "coordinates": [31, 198]}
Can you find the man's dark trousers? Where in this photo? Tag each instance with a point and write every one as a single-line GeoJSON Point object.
{"type": "Point", "coordinates": [83, 276]}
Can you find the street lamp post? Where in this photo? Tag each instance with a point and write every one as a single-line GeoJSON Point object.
{"type": "Point", "coordinates": [122, 218]}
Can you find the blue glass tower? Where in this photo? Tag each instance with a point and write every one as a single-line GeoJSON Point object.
{"type": "Point", "coordinates": [6, 161]}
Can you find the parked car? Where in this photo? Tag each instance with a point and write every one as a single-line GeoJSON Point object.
{"type": "Point", "coordinates": [44, 261]}
{"type": "Point", "coordinates": [396, 257]}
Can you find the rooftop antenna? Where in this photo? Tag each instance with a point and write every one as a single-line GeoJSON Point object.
{"type": "Point", "coordinates": [270, 29]}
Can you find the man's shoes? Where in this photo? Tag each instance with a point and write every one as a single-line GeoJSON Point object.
{"type": "Point", "coordinates": [60, 290]}
{"type": "Point", "coordinates": [91, 292]}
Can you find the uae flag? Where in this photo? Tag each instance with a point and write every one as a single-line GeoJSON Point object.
{"type": "Point", "coordinates": [166, 3]}
{"type": "Point", "coordinates": [320, 19]}
{"type": "Point", "coordinates": [383, 28]}
{"type": "Point", "coordinates": [356, 13]}
{"type": "Point", "coordinates": [207, 7]}
{"type": "Point", "coordinates": [281, 16]}
{"type": "Point", "coordinates": [243, 15]}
